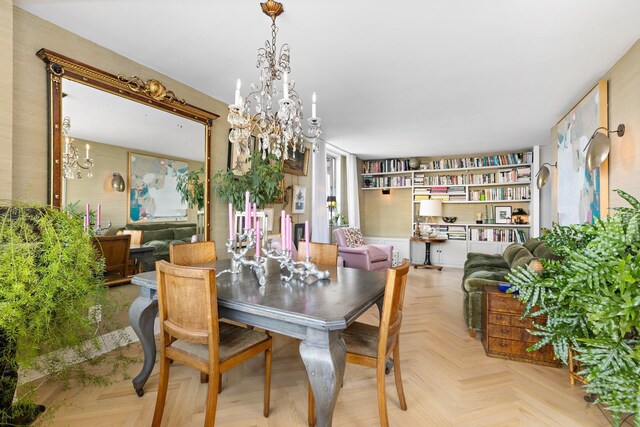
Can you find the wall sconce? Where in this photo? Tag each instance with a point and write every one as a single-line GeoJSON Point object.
{"type": "Point", "coordinates": [386, 191]}
{"type": "Point", "coordinates": [599, 145]}
{"type": "Point", "coordinates": [543, 174]}
{"type": "Point", "coordinates": [117, 182]}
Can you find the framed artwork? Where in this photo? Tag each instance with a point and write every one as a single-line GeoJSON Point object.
{"type": "Point", "coordinates": [299, 199]}
{"type": "Point", "coordinates": [239, 163]}
{"type": "Point", "coordinates": [297, 163]}
{"type": "Point", "coordinates": [298, 233]}
{"type": "Point", "coordinates": [152, 189]}
{"type": "Point", "coordinates": [582, 195]}
{"type": "Point", "coordinates": [503, 214]}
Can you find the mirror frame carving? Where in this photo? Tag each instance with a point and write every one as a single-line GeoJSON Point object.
{"type": "Point", "coordinates": [151, 92]}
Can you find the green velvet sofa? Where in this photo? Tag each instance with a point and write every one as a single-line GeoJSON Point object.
{"type": "Point", "coordinates": [161, 235]}
{"type": "Point", "coordinates": [481, 270]}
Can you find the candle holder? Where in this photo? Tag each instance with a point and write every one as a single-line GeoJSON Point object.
{"type": "Point", "coordinates": [98, 229]}
{"type": "Point", "coordinates": [239, 258]}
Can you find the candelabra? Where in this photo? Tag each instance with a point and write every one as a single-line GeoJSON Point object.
{"type": "Point", "coordinates": [239, 258]}
{"type": "Point", "coordinates": [71, 166]}
{"type": "Point", "coordinates": [97, 229]}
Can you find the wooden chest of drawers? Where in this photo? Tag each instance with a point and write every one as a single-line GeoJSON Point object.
{"type": "Point", "coordinates": [505, 335]}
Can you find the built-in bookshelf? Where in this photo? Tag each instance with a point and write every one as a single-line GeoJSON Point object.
{"type": "Point", "coordinates": [468, 187]}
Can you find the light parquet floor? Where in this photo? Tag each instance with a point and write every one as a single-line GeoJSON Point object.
{"type": "Point", "coordinates": [448, 381]}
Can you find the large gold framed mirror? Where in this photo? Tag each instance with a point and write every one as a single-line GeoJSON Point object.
{"type": "Point", "coordinates": [127, 145]}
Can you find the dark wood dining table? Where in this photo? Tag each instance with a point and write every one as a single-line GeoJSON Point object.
{"type": "Point", "coordinates": [313, 311]}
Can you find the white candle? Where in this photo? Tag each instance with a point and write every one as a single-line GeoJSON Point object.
{"type": "Point", "coordinates": [99, 214]}
{"type": "Point", "coordinates": [306, 237]}
{"type": "Point", "coordinates": [87, 147]}
{"type": "Point", "coordinates": [313, 106]}
{"type": "Point", "coordinates": [247, 211]}
{"type": "Point", "coordinates": [87, 214]}
{"type": "Point", "coordinates": [230, 221]}
{"type": "Point", "coordinates": [258, 239]}
{"type": "Point", "coordinates": [238, 84]}
{"type": "Point", "coordinates": [285, 85]}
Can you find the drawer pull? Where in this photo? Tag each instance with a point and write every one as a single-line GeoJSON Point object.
{"type": "Point", "coordinates": [504, 330]}
{"type": "Point", "coordinates": [503, 345]}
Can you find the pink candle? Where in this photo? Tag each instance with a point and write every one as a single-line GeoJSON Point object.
{"type": "Point", "coordinates": [306, 237]}
{"type": "Point", "coordinates": [258, 239]}
{"type": "Point", "coordinates": [247, 211]}
{"type": "Point", "coordinates": [230, 221]}
{"type": "Point", "coordinates": [255, 215]}
{"type": "Point", "coordinates": [99, 214]}
{"type": "Point", "coordinates": [289, 234]}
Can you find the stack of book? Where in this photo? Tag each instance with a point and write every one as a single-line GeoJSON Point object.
{"type": "Point", "coordinates": [497, 235]}
{"type": "Point", "coordinates": [439, 193]}
{"type": "Point", "coordinates": [457, 193]}
{"type": "Point", "coordinates": [418, 179]}
{"type": "Point", "coordinates": [457, 232]}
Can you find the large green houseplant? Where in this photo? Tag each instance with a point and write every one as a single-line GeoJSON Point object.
{"type": "Point", "coordinates": [591, 298]}
{"type": "Point", "coordinates": [263, 180]}
{"type": "Point", "coordinates": [50, 277]}
{"type": "Point", "coordinates": [191, 188]}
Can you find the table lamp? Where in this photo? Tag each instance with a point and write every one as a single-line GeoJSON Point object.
{"type": "Point", "coordinates": [430, 209]}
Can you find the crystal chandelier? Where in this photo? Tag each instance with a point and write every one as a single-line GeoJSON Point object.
{"type": "Point", "coordinates": [71, 166]}
{"type": "Point", "coordinates": [279, 130]}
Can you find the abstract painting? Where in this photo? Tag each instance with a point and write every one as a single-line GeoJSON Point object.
{"type": "Point", "coordinates": [153, 195]}
{"type": "Point", "coordinates": [580, 191]}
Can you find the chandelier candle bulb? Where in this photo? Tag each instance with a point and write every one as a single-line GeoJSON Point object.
{"type": "Point", "coordinates": [238, 101]}
{"type": "Point", "coordinates": [87, 147]}
{"type": "Point", "coordinates": [285, 85]}
{"type": "Point", "coordinates": [313, 106]}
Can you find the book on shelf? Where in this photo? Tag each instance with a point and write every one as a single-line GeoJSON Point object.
{"type": "Point", "coordinates": [497, 235]}
{"type": "Point", "coordinates": [421, 197]}
{"type": "Point", "coordinates": [480, 161]}
{"type": "Point", "coordinates": [385, 166]}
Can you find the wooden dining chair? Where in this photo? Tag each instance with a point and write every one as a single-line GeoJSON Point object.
{"type": "Point", "coordinates": [320, 253]}
{"type": "Point", "coordinates": [192, 253]}
{"type": "Point", "coordinates": [115, 251]}
{"type": "Point", "coordinates": [136, 239]}
{"type": "Point", "coordinates": [190, 334]}
{"type": "Point", "coordinates": [371, 346]}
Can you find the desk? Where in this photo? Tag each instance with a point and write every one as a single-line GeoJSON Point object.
{"type": "Point", "coordinates": [427, 255]}
{"type": "Point", "coordinates": [144, 256]}
{"type": "Point", "coordinates": [314, 312]}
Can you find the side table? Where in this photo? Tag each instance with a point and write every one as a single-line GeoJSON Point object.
{"type": "Point", "coordinates": [427, 255]}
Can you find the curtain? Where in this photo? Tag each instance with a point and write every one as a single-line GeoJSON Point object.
{"type": "Point", "coordinates": [319, 217]}
{"type": "Point", "coordinates": [353, 201]}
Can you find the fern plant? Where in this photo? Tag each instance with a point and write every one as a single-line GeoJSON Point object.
{"type": "Point", "coordinates": [591, 298]}
{"type": "Point", "coordinates": [49, 278]}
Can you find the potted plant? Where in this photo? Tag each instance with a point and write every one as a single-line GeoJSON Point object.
{"type": "Point", "coordinates": [591, 297]}
{"type": "Point", "coordinates": [263, 180]}
{"type": "Point", "coordinates": [191, 188]}
{"type": "Point", "coordinates": [50, 279]}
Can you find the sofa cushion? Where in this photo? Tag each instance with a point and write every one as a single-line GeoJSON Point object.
{"type": "Point", "coordinates": [523, 252]}
{"type": "Point", "coordinates": [164, 234]}
{"type": "Point", "coordinates": [377, 254]}
{"type": "Point", "coordinates": [522, 261]}
{"type": "Point", "coordinates": [353, 236]}
{"type": "Point", "coordinates": [532, 244]}
{"type": "Point", "coordinates": [497, 275]}
{"type": "Point", "coordinates": [511, 251]}
{"type": "Point", "coordinates": [183, 233]}
{"type": "Point", "coordinates": [486, 261]}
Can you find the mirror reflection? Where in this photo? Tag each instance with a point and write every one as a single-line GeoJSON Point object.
{"type": "Point", "coordinates": [129, 165]}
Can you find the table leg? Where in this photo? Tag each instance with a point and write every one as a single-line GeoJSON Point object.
{"type": "Point", "coordinates": [324, 356]}
{"type": "Point", "coordinates": [427, 259]}
{"type": "Point", "coordinates": [142, 315]}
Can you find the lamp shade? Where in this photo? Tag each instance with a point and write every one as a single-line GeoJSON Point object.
{"type": "Point", "coordinates": [430, 208]}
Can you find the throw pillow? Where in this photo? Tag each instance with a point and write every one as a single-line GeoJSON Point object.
{"type": "Point", "coordinates": [354, 237]}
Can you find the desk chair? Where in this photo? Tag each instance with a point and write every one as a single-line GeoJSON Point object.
{"type": "Point", "coordinates": [115, 251]}
{"type": "Point", "coordinates": [320, 253]}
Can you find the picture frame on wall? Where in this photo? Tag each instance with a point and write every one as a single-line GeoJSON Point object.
{"type": "Point", "coordinates": [299, 199]}
{"type": "Point", "coordinates": [297, 163]}
{"type": "Point", "coordinates": [503, 214]}
{"type": "Point", "coordinates": [153, 196]}
{"type": "Point", "coordinates": [298, 233]}
{"type": "Point", "coordinates": [583, 195]}
{"type": "Point", "coordinates": [240, 163]}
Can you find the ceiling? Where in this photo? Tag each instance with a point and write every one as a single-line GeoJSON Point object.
{"type": "Point", "coordinates": [393, 79]}
{"type": "Point", "coordinates": [109, 119]}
